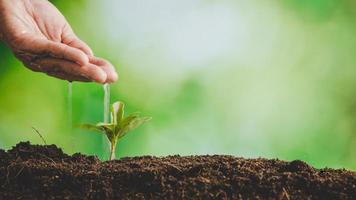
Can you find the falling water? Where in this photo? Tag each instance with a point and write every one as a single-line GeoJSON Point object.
{"type": "Point", "coordinates": [70, 107]}
{"type": "Point", "coordinates": [70, 114]}
{"type": "Point", "coordinates": [106, 88]}
{"type": "Point", "coordinates": [106, 102]}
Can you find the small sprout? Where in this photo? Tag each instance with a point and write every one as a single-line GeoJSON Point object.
{"type": "Point", "coordinates": [119, 125]}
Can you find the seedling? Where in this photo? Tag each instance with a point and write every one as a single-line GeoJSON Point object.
{"type": "Point", "coordinates": [119, 125]}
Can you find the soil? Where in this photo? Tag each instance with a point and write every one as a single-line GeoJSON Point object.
{"type": "Point", "coordinates": [45, 172]}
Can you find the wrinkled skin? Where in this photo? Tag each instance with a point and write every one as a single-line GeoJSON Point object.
{"type": "Point", "coordinates": [39, 36]}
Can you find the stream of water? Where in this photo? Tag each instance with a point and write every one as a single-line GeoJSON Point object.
{"type": "Point", "coordinates": [106, 88]}
{"type": "Point", "coordinates": [70, 115]}
{"type": "Point", "coordinates": [106, 116]}
{"type": "Point", "coordinates": [106, 119]}
{"type": "Point", "coordinates": [70, 107]}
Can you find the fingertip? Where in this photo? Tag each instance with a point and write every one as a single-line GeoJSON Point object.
{"type": "Point", "coordinates": [112, 77]}
{"type": "Point", "coordinates": [105, 65]}
{"type": "Point", "coordinates": [100, 76]}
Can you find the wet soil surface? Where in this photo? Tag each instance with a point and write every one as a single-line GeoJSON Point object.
{"type": "Point", "coordinates": [45, 172]}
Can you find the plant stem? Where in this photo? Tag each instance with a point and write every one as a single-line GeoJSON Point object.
{"type": "Point", "coordinates": [112, 150]}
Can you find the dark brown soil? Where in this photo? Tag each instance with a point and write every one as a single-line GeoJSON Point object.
{"type": "Point", "coordinates": [45, 172]}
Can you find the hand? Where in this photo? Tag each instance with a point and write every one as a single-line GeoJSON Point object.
{"type": "Point", "coordinates": [42, 39]}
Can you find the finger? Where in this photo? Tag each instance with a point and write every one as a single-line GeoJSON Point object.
{"type": "Point", "coordinates": [107, 67]}
{"type": "Point", "coordinates": [79, 44]}
{"type": "Point", "coordinates": [55, 72]}
{"type": "Point", "coordinates": [68, 77]}
{"type": "Point", "coordinates": [41, 46]}
{"type": "Point", "coordinates": [69, 38]}
{"type": "Point", "coordinates": [55, 65]}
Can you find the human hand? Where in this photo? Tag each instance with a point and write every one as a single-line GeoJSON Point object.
{"type": "Point", "coordinates": [42, 39]}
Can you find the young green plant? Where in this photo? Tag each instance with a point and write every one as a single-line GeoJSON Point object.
{"type": "Point", "coordinates": [119, 125]}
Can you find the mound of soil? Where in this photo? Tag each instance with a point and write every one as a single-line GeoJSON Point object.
{"type": "Point", "coordinates": [45, 172]}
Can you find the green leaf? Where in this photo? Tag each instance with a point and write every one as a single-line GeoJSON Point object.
{"type": "Point", "coordinates": [117, 112]}
{"type": "Point", "coordinates": [131, 124]}
{"type": "Point", "coordinates": [108, 129]}
{"type": "Point", "coordinates": [105, 126]}
{"type": "Point", "coordinates": [92, 127]}
{"type": "Point", "coordinates": [127, 120]}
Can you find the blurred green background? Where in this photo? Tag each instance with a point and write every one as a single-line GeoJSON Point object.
{"type": "Point", "coordinates": [254, 78]}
